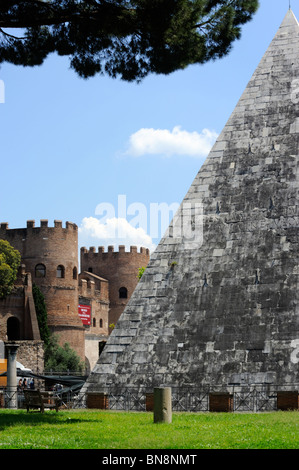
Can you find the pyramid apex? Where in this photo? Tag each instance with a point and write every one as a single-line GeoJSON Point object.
{"type": "Point", "coordinates": [289, 19]}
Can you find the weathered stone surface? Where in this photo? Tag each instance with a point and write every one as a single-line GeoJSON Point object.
{"type": "Point", "coordinates": [218, 303]}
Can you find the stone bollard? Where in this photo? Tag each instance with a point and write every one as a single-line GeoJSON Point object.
{"type": "Point", "coordinates": [162, 405]}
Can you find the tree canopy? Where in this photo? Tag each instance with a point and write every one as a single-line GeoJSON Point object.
{"type": "Point", "coordinates": [121, 38]}
{"type": "Point", "coordinates": [61, 359]}
{"type": "Point", "coordinates": [10, 260]}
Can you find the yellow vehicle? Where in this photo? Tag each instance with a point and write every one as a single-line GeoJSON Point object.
{"type": "Point", "coordinates": [3, 368]}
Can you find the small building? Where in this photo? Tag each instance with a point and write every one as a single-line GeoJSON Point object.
{"type": "Point", "coordinates": [93, 310]}
{"type": "Point", "coordinates": [120, 268]}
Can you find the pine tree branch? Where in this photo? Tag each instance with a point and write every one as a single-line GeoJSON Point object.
{"type": "Point", "coordinates": [65, 15]}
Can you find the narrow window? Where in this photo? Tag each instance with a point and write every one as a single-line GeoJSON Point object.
{"type": "Point", "coordinates": [90, 270]}
{"type": "Point", "coordinates": [40, 270]}
{"type": "Point", "coordinates": [75, 273]}
{"type": "Point", "coordinates": [101, 323]}
{"type": "Point", "coordinates": [123, 293]}
{"type": "Point", "coordinates": [93, 322]}
{"type": "Point", "coordinates": [60, 271]}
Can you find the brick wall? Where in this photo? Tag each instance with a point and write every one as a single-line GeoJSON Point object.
{"type": "Point", "coordinates": [97, 400]}
{"type": "Point", "coordinates": [287, 401]}
{"type": "Point", "coordinates": [220, 402]}
{"type": "Point", "coordinates": [19, 306]}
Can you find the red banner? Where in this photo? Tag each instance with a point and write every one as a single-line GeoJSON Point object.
{"type": "Point", "coordinates": [85, 314]}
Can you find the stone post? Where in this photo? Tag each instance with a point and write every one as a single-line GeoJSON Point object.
{"type": "Point", "coordinates": [12, 375]}
{"type": "Point", "coordinates": [162, 405]}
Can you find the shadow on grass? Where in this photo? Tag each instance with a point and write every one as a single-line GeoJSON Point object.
{"type": "Point", "coordinates": [35, 418]}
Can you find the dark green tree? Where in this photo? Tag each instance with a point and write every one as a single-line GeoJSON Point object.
{"type": "Point", "coordinates": [10, 260]}
{"type": "Point", "coordinates": [41, 313]}
{"type": "Point", "coordinates": [122, 38]}
{"type": "Point", "coordinates": [61, 359]}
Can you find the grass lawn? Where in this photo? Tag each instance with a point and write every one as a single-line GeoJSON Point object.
{"type": "Point", "coordinates": [94, 429]}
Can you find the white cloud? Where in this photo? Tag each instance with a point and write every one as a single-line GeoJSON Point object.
{"type": "Point", "coordinates": [175, 142]}
{"type": "Point", "coordinates": [115, 231]}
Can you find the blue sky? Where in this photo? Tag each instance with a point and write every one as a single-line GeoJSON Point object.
{"type": "Point", "coordinates": [71, 148]}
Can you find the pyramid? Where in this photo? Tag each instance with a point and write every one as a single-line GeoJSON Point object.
{"type": "Point", "coordinates": [218, 302]}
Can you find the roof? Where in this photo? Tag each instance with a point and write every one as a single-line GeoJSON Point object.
{"type": "Point", "coordinates": [92, 275]}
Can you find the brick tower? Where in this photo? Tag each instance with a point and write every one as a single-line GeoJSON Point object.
{"type": "Point", "coordinates": [120, 269]}
{"type": "Point", "coordinates": [50, 254]}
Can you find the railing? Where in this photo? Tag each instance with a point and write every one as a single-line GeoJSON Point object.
{"type": "Point", "coordinates": [9, 398]}
{"type": "Point", "coordinates": [254, 398]}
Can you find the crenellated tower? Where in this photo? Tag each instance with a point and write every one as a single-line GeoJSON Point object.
{"type": "Point", "coordinates": [120, 268]}
{"type": "Point", "coordinates": [50, 254]}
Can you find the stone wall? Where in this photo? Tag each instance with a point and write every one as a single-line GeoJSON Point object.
{"type": "Point", "coordinates": [31, 355]}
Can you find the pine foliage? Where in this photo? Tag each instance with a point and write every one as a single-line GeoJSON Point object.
{"type": "Point", "coordinates": [121, 38]}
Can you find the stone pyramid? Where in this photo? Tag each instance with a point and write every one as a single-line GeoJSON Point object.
{"type": "Point", "coordinates": [218, 303]}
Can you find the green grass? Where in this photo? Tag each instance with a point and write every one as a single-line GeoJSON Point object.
{"type": "Point", "coordinates": [94, 429]}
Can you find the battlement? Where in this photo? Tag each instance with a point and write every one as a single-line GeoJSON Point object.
{"type": "Point", "coordinates": [43, 224]}
{"type": "Point", "coordinates": [91, 285]}
{"type": "Point", "coordinates": [86, 287]}
{"type": "Point", "coordinates": [121, 250]}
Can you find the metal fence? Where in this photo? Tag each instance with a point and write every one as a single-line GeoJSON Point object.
{"type": "Point", "coordinates": [254, 398]}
